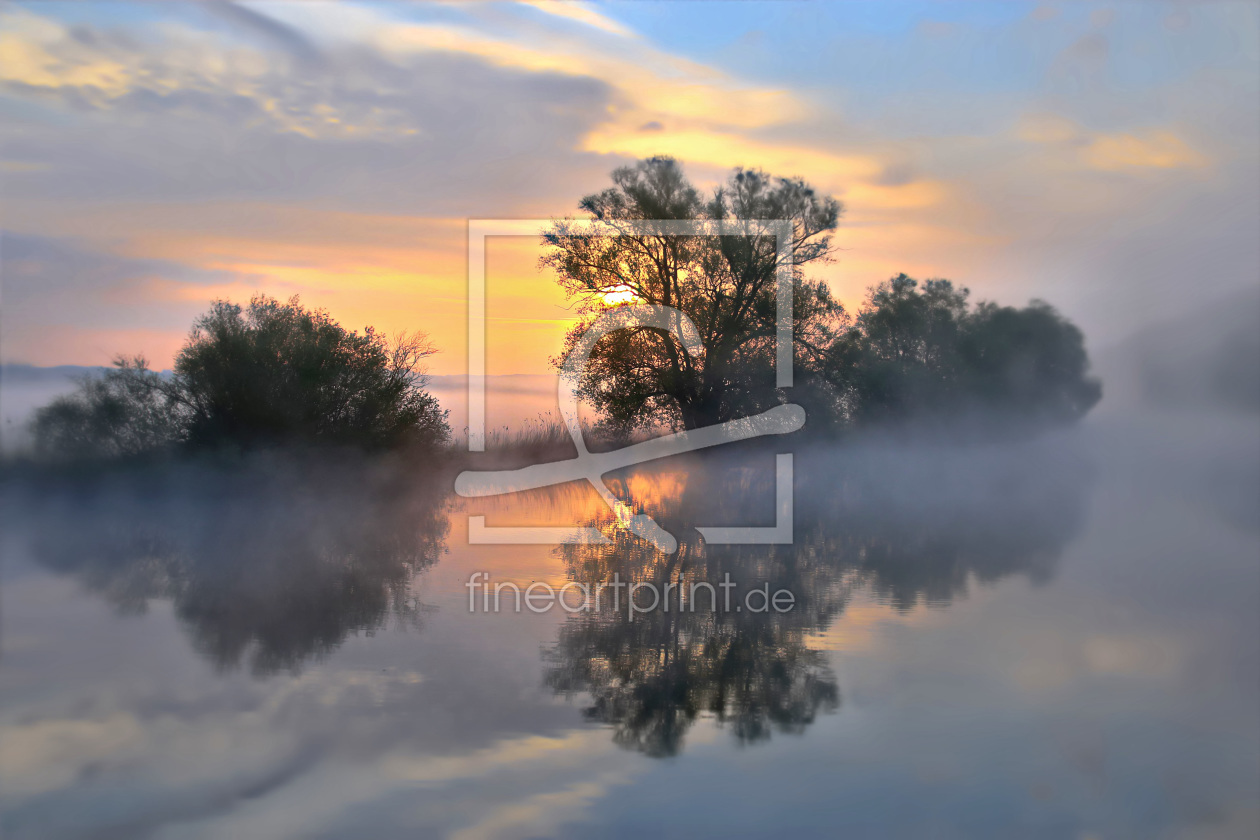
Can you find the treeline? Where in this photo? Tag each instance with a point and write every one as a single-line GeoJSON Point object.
{"type": "Point", "coordinates": [278, 374]}
{"type": "Point", "coordinates": [912, 355]}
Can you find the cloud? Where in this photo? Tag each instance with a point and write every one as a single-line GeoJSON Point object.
{"type": "Point", "coordinates": [38, 53]}
{"type": "Point", "coordinates": [650, 84]}
{"type": "Point", "coordinates": [1144, 148]}
{"type": "Point", "coordinates": [726, 150]}
{"type": "Point", "coordinates": [1158, 149]}
{"type": "Point", "coordinates": [269, 29]}
{"type": "Point", "coordinates": [580, 13]}
{"type": "Point", "coordinates": [294, 146]}
{"type": "Point", "coordinates": [35, 266]}
{"type": "Point", "coordinates": [66, 299]}
{"type": "Point", "coordinates": [435, 133]}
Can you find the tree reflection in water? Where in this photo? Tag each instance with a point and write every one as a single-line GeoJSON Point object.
{"type": "Point", "coordinates": [911, 526]}
{"type": "Point", "coordinates": [650, 676]}
{"type": "Point", "coordinates": [267, 565]}
{"type": "Point", "coordinates": [270, 564]}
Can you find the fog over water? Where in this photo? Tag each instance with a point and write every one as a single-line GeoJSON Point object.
{"type": "Point", "coordinates": [1045, 638]}
{"type": "Point", "coordinates": [1040, 637]}
{"type": "Point", "coordinates": [978, 215]}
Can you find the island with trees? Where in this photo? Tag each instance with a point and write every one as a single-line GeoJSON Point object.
{"type": "Point", "coordinates": [916, 355]}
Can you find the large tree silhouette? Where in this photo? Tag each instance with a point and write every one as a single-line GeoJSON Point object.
{"type": "Point", "coordinates": [725, 284]}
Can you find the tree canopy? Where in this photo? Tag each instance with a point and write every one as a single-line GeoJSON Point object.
{"type": "Point", "coordinates": [912, 354]}
{"type": "Point", "coordinates": [274, 372]}
{"type": "Point", "coordinates": [266, 374]}
{"type": "Point", "coordinates": [923, 355]}
{"type": "Point", "coordinates": [726, 285]}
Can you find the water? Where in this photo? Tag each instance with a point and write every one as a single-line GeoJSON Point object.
{"type": "Point", "coordinates": [1050, 639]}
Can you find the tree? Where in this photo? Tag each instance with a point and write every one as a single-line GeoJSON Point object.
{"type": "Point", "coordinates": [925, 356]}
{"type": "Point", "coordinates": [898, 360]}
{"type": "Point", "coordinates": [124, 411]}
{"type": "Point", "coordinates": [726, 284]}
{"type": "Point", "coordinates": [276, 372]}
{"type": "Point", "coordinates": [267, 374]}
{"type": "Point", "coordinates": [1030, 363]}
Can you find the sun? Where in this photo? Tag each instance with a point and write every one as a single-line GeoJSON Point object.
{"type": "Point", "coordinates": [618, 295]}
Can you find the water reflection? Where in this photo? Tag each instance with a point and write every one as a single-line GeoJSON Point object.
{"type": "Point", "coordinates": [651, 674]}
{"type": "Point", "coordinates": [916, 526]}
{"type": "Point", "coordinates": [266, 567]}
{"type": "Point", "coordinates": [271, 565]}
{"type": "Point", "coordinates": [1129, 680]}
{"type": "Point", "coordinates": [923, 524]}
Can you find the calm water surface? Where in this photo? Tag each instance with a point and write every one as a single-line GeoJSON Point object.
{"type": "Point", "coordinates": [1056, 639]}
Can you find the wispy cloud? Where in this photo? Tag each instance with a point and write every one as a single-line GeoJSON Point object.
{"type": "Point", "coordinates": [580, 13]}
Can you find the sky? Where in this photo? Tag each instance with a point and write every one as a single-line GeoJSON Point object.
{"type": "Point", "coordinates": [156, 157]}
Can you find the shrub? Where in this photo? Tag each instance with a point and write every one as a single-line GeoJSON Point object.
{"type": "Point", "coordinates": [125, 411]}
{"type": "Point", "coordinates": [269, 374]}
{"type": "Point", "coordinates": [276, 373]}
{"type": "Point", "coordinates": [925, 357]}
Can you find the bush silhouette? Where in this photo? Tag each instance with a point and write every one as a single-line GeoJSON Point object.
{"type": "Point", "coordinates": [123, 412]}
{"type": "Point", "coordinates": [924, 356]}
{"type": "Point", "coordinates": [267, 374]}
{"type": "Point", "coordinates": [276, 372]}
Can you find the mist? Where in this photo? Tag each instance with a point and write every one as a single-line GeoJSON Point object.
{"type": "Point", "coordinates": [988, 568]}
